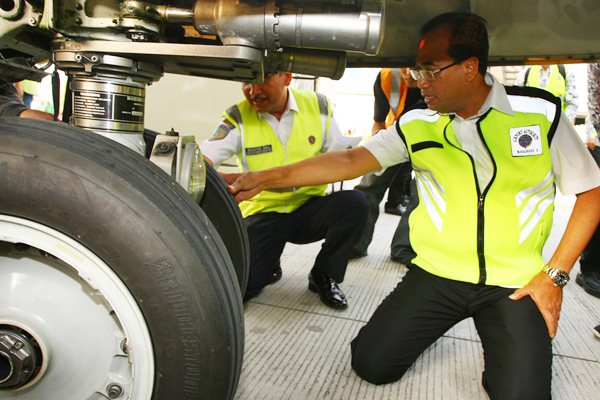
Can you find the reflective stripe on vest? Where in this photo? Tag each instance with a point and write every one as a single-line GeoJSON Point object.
{"type": "Point", "coordinates": [395, 91]}
{"type": "Point", "coordinates": [261, 149]}
{"type": "Point", "coordinates": [492, 235]}
{"type": "Point", "coordinates": [557, 85]}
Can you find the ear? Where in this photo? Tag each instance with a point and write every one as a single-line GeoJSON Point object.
{"type": "Point", "coordinates": [471, 68]}
{"type": "Point", "coordinates": [287, 78]}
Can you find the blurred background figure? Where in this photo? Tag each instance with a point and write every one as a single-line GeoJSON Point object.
{"type": "Point", "coordinates": [27, 90]}
{"type": "Point", "coordinates": [557, 80]}
{"type": "Point", "coordinates": [589, 275]}
{"type": "Point", "coordinates": [11, 104]}
{"type": "Point", "coordinates": [395, 91]}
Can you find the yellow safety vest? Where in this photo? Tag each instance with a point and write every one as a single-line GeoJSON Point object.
{"type": "Point", "coordinates": [491, 235]}
{"type": "Point", "coordinates": [557, 84]}
{"type": "Point", "coordinates": [261, 149]}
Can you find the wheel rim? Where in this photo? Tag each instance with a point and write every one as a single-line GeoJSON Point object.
{"type": "Point", "coordinates": [92, 336]}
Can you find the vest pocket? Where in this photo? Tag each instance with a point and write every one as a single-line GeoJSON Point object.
{"type": "Point", "coordinates": [425, 145]}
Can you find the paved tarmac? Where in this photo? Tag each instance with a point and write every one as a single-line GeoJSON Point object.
{"type": "Point", "coordinates": [298, 349]}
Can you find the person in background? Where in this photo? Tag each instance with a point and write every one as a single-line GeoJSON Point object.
{"type": "Point", "coordinates": [589, 276]}
{"type": "Point", "coordinates": [592, 122]}
{"type": "Point", "coordinates": [480, 225]}
{"type": "Point", "coordinates": [557, 80]}
{"type": "Point", "coordinates": [27, 90]}
{"type": "Point", "coordinates": [275, 125]}
{"type": "Point", "coordinates": [11, 105]}
{"type": "Point", "coordinates": [394, 91]}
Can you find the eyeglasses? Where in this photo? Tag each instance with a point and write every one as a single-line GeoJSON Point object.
{"type": "Point", "coordinates": [429, 74]}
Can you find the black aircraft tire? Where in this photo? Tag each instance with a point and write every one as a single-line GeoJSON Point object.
{"type": "Point", "coordinates": [225, 215]}
{"type": "Point", "coordinates": [149, 232]}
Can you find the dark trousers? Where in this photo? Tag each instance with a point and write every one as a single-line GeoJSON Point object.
{"type": "Point", "coordinates": [397, 179]}
{"type": "Point", "coordinates": [400, 248]}
{"type": "Point", "coordinates": [399, 188]}
{"type": "Point", "coordinates": [517, 347]}
{"type": "Point", "coordinates": [338, 218]}
{"type": "Point", "coordinates": [590, 257]}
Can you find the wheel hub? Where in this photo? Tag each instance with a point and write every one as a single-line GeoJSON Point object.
{"type": "Point", "coordinates": [20, 357]}
{"type": "Point", "coordinates": [73, 324]}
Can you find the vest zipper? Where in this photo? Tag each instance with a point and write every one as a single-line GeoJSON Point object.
{"type": "Point", "coordinates": [480, 208]}
{"type": "Point", "coordinates": [480, 199]}
{"type": "Point", "coordinates": [480, 236]}
{"type": "Point", "coordinates": [285, 154]}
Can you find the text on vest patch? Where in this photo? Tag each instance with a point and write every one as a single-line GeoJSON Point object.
{"type": "Point", "coordinates": [526, 141]}
{"type": "Point", "coordinates": [252, 151]}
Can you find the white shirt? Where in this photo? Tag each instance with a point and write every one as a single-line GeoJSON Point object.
{"type": "Point", "coordinates": [574, 169]}
{"type": "Point", "coordinates": [230, 145]}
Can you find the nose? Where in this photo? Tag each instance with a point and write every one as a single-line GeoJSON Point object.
{"type": "Point", "coordinates": [254, 88]}
{"type": "Point", "coordinates": [251, 88]}
{"type": "Point", "coordinates": [421, 83]}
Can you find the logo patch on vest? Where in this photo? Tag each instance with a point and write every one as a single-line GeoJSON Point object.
{"type": "Point", "coordinates": [253, 151]}
{"type": "Point", "coordinates": [526, 141]}
{"type": "Point", "coordinates": [222, 131]}
{"type": "Point", "coordinates": [312, 139]}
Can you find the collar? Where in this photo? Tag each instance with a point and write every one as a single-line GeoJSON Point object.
{"type": "Point", "coordinates": [497, 98]}
{"type": "Point", "coordinates": [290, 106]}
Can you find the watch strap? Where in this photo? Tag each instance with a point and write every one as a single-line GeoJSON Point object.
{"type": "Point", "coordinates": [558, 276]}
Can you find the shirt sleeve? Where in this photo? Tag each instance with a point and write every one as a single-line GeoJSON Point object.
{"type": "Point", "coordinates": [387, 147]}
{"type": "Point", "coordinates": [590, 131]}
{"type": "Point", "coordinates": [224, 143]}
{"type": "Point", "coordinates": [573, 166]}
{"type": "Point", "coordinates": [335, 139]}
{"type": "Point", "coordinates": [11, 104]}
{"type": "Point", "coordinates": [571, 96]}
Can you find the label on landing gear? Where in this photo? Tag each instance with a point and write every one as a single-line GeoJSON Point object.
{"type": "Point", "coordinates": [128, 108]}
{"type": "Point", "coordinates": [108, 106]}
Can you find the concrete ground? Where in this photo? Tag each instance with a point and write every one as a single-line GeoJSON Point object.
{"type": "Point", "coordinates": [298, 349]}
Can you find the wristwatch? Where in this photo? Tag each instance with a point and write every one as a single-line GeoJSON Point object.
{"type": "Point", "coordinates": [559, 276]}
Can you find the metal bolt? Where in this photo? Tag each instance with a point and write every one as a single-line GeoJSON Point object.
{"type": "Point", "coordinates": [18, 345]}
{"type": "Point", "coordinates": [124, 347]}
{"type": "Point", "coordinates": [172, 132]}
{"type": "Point", "coordinates": [164, 148]}
{"type": "Point", "coordinates": [78, 21]}
{"type": "Point", "coordinates": [78, 6]}
{"type": "Point", "coordinates": [114, 391]}
{"type": "Point", "coordinates": [94, 58]}
{"type": "Point", "coordinates": [138, 36]}
{"type": "Point", "coordinates": [32, 21]}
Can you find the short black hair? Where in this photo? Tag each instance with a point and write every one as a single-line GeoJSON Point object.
{"type": "Point", "coordinates": [469, 36]}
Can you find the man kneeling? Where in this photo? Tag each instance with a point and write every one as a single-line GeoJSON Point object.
{"type": "Point", "coordinates": [273, 126]}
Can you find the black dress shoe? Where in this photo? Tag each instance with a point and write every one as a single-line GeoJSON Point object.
{"type": "Point", "coordinates": [397, 209]}
{"type": "Point", "coordinates": [590, 282]}
{"type": "Point", "coordinates": [276, 277]}
{"type": "Point", "coordinates": [329, 292]}
{"type": "Point", "coordinates": [405, 200]}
